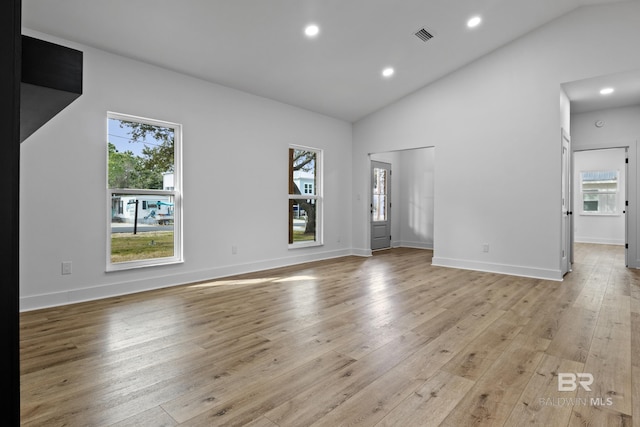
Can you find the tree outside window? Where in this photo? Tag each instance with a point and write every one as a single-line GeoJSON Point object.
{"type": "Point", "coordinates": [304, 196]}
{"type": "Point", "coordinates": [143, 192]}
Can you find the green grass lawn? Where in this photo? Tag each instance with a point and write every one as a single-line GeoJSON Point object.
{"type": "Point", "coordinates": [301, 236]}
{"type": "Point", "coordinates": [144, 245]}
{"type": "Point", "coordinates": [159, 244]}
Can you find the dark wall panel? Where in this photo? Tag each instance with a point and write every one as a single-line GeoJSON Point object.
{"type": "Point", "coordinates": [51, 80]}
{"type": "Point", "coordinates": [10, 52]}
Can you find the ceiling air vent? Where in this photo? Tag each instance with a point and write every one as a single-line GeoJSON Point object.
{"type": "Point", "coordinates": [424, 35]}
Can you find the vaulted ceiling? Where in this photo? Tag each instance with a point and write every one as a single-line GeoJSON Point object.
{"type": "Point", "coordinates": [259, 46]}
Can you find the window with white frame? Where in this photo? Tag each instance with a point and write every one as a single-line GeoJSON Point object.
{"type": "Point", "coordinates": [305, 197]}
{"type": "Point", "coordinates": [143, 192]}
{"type": "Point", "coordinates": [599, 192]}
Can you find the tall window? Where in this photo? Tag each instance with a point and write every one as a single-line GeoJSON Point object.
{"type": "Point", "coordinates": [599, 192]}
{"type": "Point", "coordinates": [144, 179]}
{"type": "Point", "coordinates": [305, 197]}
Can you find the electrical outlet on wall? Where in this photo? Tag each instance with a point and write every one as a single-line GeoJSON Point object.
{"type": "Point", "coordinates": [485, 247]}
{"type": "Point", "coordinates": [66, 267]}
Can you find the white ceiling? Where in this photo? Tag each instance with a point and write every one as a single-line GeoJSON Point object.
{"type": "Point", "coordinates": [258, 46]}
{"type": "Point", "coordinates": [585, 94]}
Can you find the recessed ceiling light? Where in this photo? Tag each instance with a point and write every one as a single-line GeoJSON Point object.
{"type": "Point", "coordinates": [474, 22]}
{"type": "Point", "coordinates": [312, 30]}
{"type": "Point", "coordinates": [607, 91]}
{"type": "Point", "coordinates": [388, 72]}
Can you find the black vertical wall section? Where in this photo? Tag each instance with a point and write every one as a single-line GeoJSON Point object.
{"type": "Point", "coordinates": [10, 66]}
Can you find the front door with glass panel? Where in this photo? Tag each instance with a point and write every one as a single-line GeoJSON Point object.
{"type": "Point", "coordinates": [380, 205]}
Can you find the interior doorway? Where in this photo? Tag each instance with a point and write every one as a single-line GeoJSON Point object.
{"type": "Point", "coordinates": [601, 122]}
{"type": "Point", "coordinates": [411, 202]}
{"type": "Point", "coordinates": [601, 197]}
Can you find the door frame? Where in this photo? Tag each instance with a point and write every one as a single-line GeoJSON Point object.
{"type": "Point", "coordinates": [566, 221]}
{"type": "Point", "coordinates": [631, 194]}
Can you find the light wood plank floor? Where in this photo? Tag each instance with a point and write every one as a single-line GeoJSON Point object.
{"type": "Point", "coordinates": [382, 341]}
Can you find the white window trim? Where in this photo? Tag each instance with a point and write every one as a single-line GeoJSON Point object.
{"type": "Point", "coordinates": [318, 197]}
{"type": "Point", "coordinates": [178, 257]}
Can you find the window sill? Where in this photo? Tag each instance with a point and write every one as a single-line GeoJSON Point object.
{"type": "Point", "coordinates": [132, 265]}
{"type": "Point", "coordinates": [305, 245]}
{"type": "Point", "coordinates": [598, 214]}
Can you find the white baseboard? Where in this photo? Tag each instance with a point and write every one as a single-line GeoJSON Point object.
{"type": "Point", "coordinates": [415, 245]}
{"type": "Point", "coordinates": [129, 287]}
{"type": "Point", "coordinates": [362, 252]}
{"type": "Point", "coordinates": [513, 270]}
{"type": "Point", "coordinates": [55, 299]}
{"type": "Point", "coordinates": [599, 241]}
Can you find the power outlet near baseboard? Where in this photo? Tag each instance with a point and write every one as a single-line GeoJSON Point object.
{"type": "Point", "coordinates": [66, 267]}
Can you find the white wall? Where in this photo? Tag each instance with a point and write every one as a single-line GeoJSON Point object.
{"type": "Point", "coordinates": [565, 112]}
{"type": "Point", "coordinates": [620, 124]}
{"type": "Point", "coordinates": [235, 148]}
{"type": "Point", "coordinates": [416, 198]}
{"type": "Point", "coordinates": [604, 229]}
{"type": "Point", "coordinates": [495, 125]}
